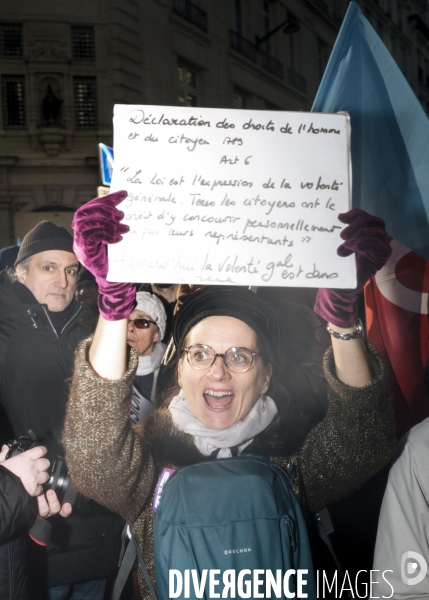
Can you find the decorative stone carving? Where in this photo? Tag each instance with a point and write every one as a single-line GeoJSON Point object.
{"type": "Point", "coordinates": [51, 140]}
{"type": "Point", "coordinates": [47, 52]}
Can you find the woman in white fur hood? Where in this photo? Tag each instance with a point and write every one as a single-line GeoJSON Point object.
{"type": "Point", "coordinates": [146, 329]}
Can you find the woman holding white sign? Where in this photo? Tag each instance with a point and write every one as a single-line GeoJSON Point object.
{"type": "Point", "coordinates": [228, 343]}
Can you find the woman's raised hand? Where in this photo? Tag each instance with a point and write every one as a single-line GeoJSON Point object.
{"type": "Point", "coordinates": [365, 236]}
{"type": "Point", "coordinates": [96, 224]}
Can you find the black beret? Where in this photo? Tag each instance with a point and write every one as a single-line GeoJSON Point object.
{"type": "Point", "coordinates": [231, 301]}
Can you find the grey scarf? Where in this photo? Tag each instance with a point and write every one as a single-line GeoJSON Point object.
{"type": "Point", "coordinates": [150, 362]}
{"type": "Point", "coordinates": [239, 435]}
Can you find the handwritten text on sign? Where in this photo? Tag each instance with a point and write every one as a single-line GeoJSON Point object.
{"type": "Point", "coordinates": [231, 196]}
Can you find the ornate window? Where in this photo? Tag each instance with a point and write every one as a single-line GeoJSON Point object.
{"type": "Point", "coordinates": [11, 41]}
{"type": "Point", "coordinates": [187, 80]}
{"type": "Point", "coordinates": [85, 102]}
{"type": "Point", "coordinates": [83, 43]}
{"type": "Point", "coordinates": [13, 102]}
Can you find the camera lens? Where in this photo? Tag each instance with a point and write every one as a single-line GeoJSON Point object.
{"type": "Point", "coordinates": [60, 482]}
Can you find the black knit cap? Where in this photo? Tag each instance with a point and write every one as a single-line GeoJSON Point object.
{"type": "Point", "coordinates": [231, 301]}
{"type": "Point", "coordinates": [45, 236]}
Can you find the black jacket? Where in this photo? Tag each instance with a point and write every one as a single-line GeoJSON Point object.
{"type": "Point", "coordinates": [14, 519]}
{"type": "Point", "coordinates": [35, 365]}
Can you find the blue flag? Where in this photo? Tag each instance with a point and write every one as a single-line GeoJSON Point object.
{"type": "Point", "coordinates": [390, 131]}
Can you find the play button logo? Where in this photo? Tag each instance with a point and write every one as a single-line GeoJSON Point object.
{"type": "Point", "coordinates": [413, 568]}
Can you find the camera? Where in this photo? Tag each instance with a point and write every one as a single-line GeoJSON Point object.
{"type": "Point", "coordinates": [59, 476]}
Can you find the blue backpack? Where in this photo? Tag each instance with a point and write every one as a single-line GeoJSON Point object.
{"type": "Point", "coordinates": [231, 526]}
{"type": "Point", "coordinates": [228, 528]}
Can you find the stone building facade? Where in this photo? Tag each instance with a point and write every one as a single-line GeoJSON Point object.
{"type": "Point", "coordinates": [63, 65]}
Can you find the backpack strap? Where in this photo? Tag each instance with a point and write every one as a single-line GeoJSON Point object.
{"type": "Point", "coordinates": [126, 564]}
{"type": "Point", "coordinates": [324, 523]}
{"type": "Point", "coordinates": [325, 528]}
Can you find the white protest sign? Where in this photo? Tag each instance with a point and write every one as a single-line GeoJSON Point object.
{"type": "Point", "coordinates": [231, 196]}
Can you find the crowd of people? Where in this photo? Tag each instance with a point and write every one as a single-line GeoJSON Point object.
{"type": "Point", "coordinates": [86, 372]}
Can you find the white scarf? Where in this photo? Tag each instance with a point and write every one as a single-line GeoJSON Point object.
{"type": "Point", "coordinates": [150, 362]}
{"type": "Point", "coordinates": [240, 434]}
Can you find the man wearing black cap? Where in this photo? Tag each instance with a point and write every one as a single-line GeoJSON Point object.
{"type": "Point", "coordinates": [39, 330]}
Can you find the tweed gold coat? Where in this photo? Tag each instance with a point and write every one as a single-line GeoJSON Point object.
{"type": "Point", "coordinates": [119, 465]}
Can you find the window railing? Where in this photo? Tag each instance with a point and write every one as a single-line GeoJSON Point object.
{"type": "Point", "coordinates": [296, 80]}
{"type": "Point", "coordinates": [242, 45]}
{"type": "Point", "coordinates": [271, 64]}
{"type": "Point", "coordinates": [420, 25]}
{"type": "Point", "coordinates": [192, 13]}
{"type": "Point", "coordinates": [268, 62]}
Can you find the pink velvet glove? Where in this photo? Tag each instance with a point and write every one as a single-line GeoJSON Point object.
{"type": "Point", "coordinates": [96, 224]}
{"type": "Point", "coordinates": [366, 236]}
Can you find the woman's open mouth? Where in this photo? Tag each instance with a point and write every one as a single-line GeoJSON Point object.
{"type": "Point", "coordinates": [217, 399]}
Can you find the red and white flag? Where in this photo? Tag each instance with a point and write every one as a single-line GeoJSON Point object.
{"type": "Point", "coordinates": [397, 324]}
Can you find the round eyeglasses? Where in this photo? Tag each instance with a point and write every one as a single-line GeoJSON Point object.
{"type": "Point", "coordinates": [235, 358]}
{"type": "Point", "coordinates": [141, 323]}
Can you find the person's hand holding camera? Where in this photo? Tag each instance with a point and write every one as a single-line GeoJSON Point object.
{"type": "Point", "coordinates": [30, 467]}
{"type": "Point", "coordinates": [49, 505]}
